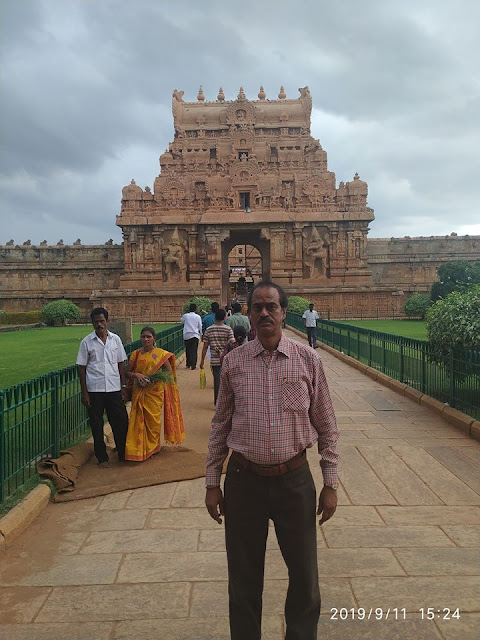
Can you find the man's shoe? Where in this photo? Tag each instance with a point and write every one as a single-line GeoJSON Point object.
{"type": "Point", "coordinates": [103, 465]}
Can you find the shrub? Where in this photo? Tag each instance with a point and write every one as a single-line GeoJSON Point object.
{"type": "Point", "coordinates": [203, 305]}
{"type": "Point", "coordinates": [58, 312]}
{"type": "Point", "coordinates": [457, 275]}
{"type": "Point", "coordinates": [417, 305]}
{"type": "Point", "coordinates": [20, 317]}
{"type": "Point", "coordinates": [297, 304]}
{"type": "Point", "coordinates": [453, 325]}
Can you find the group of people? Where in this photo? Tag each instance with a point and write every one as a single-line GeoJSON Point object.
{"type": "Point", "coordinates": [272, 404]}
{"type": "Point", "coordinates": [149, 381]}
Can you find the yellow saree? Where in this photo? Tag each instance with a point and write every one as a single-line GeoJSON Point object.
{"type": "Point", "coordinates": [144, 426]}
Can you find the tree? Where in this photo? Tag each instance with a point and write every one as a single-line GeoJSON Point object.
{"type": "Point", "coordinates": [453, 324]}
{"type": "Point", "coordinates": [203, 305]}
{"type": "Point", "coordinates": [58, 312]}
{"type": "Point", "coordinates": [455, 276]}
{"type": "Point", "coordinates": [416, 306]}
{"type": "Point", "coordinates": [297, 304]}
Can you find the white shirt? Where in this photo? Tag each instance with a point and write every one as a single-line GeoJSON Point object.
{"type": "Point", "coordinates": [311, 318]}
{"type": "Point", "coordinates": [192, 325]}
{"type": "Point", "coordinates": [102, 360]}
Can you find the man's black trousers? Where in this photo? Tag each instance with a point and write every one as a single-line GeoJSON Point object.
{"type": "Point", "coordinates": [112, 403]}
{"type": "Point", "coordinates": [289, 501]}
{"type": "Point", "coordinates": [191, 350]}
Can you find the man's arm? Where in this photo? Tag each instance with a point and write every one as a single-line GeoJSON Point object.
{"type": "Point", "coordinates": [204, 351]}
{"type": "Point", "coordinates": [217, 447]}
{"type": "Point", "coordinates": [82, 374]}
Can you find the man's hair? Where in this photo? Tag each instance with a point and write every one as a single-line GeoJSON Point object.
{"type": "Point", "coordinates": [214, 306]}
{"type": "Point", "coordinates": [236, 307]}
{"type": "Point", "coordinates": [311, 304]}
{"type": "Point", "coordinates": [97, 312]}
{"type": "Point", "coordinates": [265, 284]}
{"type": "Point", "coordinates": [150, 330]}
{"type": "Point", "coordinates": [192, 307]}
{"type": "Point", "coordinates": [220, 314]}
{"type": "Point", "coordinates": [240, 331]}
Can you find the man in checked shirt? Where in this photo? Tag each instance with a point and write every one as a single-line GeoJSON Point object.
{"type": "Point", "coordinates": [273, 404]}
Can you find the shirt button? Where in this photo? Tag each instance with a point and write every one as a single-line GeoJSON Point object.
{"type": "Point", "coordinates": [272, 450]}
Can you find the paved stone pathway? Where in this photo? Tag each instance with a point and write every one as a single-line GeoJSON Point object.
{"type": "Point", "coordinates": [150, 564]}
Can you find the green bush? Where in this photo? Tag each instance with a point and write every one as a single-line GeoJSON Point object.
{"type": "Point", "coordinates": [20, 317]}
{"type": "Point", "coordinates": [297, 304]}
{"type": "Point", "coordinates": [417, 305]}
{"type": "Point", "coordinates": [58, 312]}
{"type": "Point", "coordinates": [203, 305]}
{"type": "Point", "coordinates": [453, 325]}
{"type": "Point", "coordinates": [457, 275]}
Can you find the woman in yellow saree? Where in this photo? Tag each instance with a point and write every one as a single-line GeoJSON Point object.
{"type": "Point", "coordinates": [151, 398]}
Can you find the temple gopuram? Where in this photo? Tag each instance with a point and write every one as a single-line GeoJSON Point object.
{"type": "Point", "coordinates": [244, 193]}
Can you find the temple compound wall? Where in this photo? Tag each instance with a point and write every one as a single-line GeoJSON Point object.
{"type": "Point", "coordinates": [237, 172]}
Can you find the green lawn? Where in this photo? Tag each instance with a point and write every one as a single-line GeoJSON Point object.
{"type": "Point", "coordinates": [29, 353]}
{"type": "Point", "coordinates": [407, 328]}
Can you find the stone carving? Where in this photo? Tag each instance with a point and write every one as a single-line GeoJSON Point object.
{"type": "Point", "coordinates": [43, 243]}
{"type": "Point", "coordinates": [10, 243]}
{"type": "Point", "coordinates": [316, 253]}
{"type": "Point", "coordinates": [27, 243]}
{"type": "Point", "coordinates": [174, 258]}
{"type": "Point", "coordinates": [77, 242]}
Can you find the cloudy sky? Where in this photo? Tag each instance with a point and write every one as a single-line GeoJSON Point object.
{"type": "Point", "coordinates": [86, 85]}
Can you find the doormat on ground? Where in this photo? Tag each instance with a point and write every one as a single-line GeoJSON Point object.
{"type": "Point", "coordinates": [170, 464]}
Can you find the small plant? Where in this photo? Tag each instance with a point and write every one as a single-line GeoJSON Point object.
{"type": "Point", "coordinates": [417, 305]}
{"type": "Point", "coordinates": [297, 304]}
{"type": "Point", "coordinates": [58, 312]}
{"type": "Point", "coordinates": [203, 305]}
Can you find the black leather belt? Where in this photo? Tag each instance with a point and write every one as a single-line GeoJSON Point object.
{"type": "Point", "coordinates": [271, 469]}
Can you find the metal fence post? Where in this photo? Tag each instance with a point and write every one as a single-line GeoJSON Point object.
{"type": "Point", "coordinates": [54, 414]}
{"type": "Point", "coordinates": [3, 466]}
{"type": "Point", "coordinates": [424, 371]}
{"type": "Point", "coordinates": [370, 349]}
{"type": "Point", "coordinates": [402, 362]}
{"type": "Point", "coordinates": [451, 372]}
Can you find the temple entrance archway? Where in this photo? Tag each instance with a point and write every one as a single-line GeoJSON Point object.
{"type": "Point", "coordinates": [247, 246]}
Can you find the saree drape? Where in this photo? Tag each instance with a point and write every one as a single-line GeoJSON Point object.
{"type": "Point", "coordinates": [148, 404]}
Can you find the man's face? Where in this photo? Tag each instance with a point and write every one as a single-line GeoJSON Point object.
{"type": "Point", "coordinates": [99, 323]}
{"type": "Point", "coordinates": [311, 307]}
{"type": "Point", "coordinates": [266, 313]}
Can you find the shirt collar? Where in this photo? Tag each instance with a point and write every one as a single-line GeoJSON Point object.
{"type": "Point", "coordinates": [93, 335]}
{"type": "Point", "coordinates": [284, 346]}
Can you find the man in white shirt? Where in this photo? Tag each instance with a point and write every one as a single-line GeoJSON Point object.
{"type": "Point", "coordinates": [192, 331]}
{"type": "Point", "coordinates": [101, 369]}
{"type": "Point", "coordinates": [310, 317]}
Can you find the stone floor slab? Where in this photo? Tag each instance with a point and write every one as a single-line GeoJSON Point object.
{"type": "Point", "coordinates": [459, 464]}
{"type": "Point", "coordinates": [86, 631]}
{"type": "Point", "coordinates": [181, 519]}
{"type": "Point", "coordinates": [402, 483]}
{"type": "Point", "coordinates": [108, 520]}
{"type": "Point", "coordinates": [116, 602]}
{"type": "Point", "coordinates": [390, 537]}
{"type": "Point", "coordinates": [169, 567]}
{"type": "Point", "coordinates": [440, 562]}
{"type": "Point", "coordinates": [344, 563]}
{"type": "Point", "coordinates": [413, 593]}
{"type": "Point", "coordinates": [115, 501]}
{"type": "Point", "coordinates": [157, 497]}
{"type": "Point", "coordinates": [62, 570]}
{"type": "Point", "coordinates": [353, 516]}
{"type": "Point", "coordinates": [144, 541]}
{"type": "Point", "coordinates": [21, 604]}
{"type": "Point", "coordinates": [361, 484]}
{"type": "Point", "coordinates": [204, 628]}
{"type": "Point", "coordinates": [464, 535]}
{"type": "Point", "coordinates": [376, 629]}
{"type": "Point", "coordinates": [190, 493]}
{"type": "Point", "coordinates": [395, 516]}
{"type": "Point", "coordinates": [465, 628]}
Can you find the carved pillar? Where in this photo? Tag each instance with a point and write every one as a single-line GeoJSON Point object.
{"type": "Point", "coordinates": [298, 252]}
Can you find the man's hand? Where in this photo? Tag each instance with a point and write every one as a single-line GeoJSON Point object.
{"type": "Point", "coordinates": [214, 503]}
{"type": "Point", "coordinates": [124, 394]}
{"type": "Point", "coordinates": [327, 504]}
{"type": "Point", "coordinates": [86, 399]}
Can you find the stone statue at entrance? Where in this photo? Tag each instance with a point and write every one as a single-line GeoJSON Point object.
{"type": "Point", "coordinates": [174, 258]}
{"type": "Point", "coordinates": [316, 253]}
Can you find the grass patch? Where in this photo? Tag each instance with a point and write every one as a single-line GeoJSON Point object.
{"type": "Point", "coordinates": [32, 352]}
{"type": "Point", "coordinates": [407, 328]}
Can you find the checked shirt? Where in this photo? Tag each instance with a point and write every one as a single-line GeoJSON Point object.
{"type": "Point", "coordinates": [270, 408]}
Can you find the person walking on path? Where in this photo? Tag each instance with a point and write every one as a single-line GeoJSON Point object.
{"type": "Point", "coordinates": [101, 369]}
{"type": "Point", "coordinates": [216, 337]}
{"type": "Point", "coordinates": [209, 319]}
{"type": "Point", "coordinates": [192, 332]}
{"type": "Point", "coordinates": [273, 404]}
{"type": "Point", "coordinates": [237, 318]}
{"type": "Point", "coordinates": [310, 317]}
{"type": "Point", "coordinates": [240, 335]}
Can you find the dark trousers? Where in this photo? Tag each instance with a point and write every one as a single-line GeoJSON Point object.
{"type": "Point", "coordinates": [114, 406]}
{"type": "Point", "coordinates": [290, 502]}
{"type": "Point", "coordinates": [191, 349]}
{"type": "Point", "coordinates": [216, 381]}
{"type": "Point", "coordinates": [312, 336]}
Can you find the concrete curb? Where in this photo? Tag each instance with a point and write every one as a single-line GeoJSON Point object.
{"type": "Point", "coordinates": [462, 421]}
{"type": "Point", "coordinates": [24, 513]}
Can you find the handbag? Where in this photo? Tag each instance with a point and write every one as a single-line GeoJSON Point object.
{"type": "Point", "coordinates": [203, 379]}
